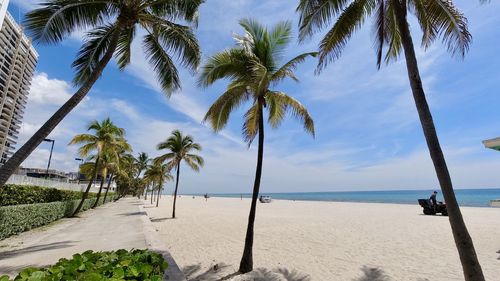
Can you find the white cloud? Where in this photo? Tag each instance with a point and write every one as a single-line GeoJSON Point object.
{"type": "Point", "coordinates": [48, 91]}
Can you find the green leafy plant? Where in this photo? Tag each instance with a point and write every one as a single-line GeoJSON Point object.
{"type": "Point", "coordinates": [12, 194]}
{"type": "Point", "coordinates": [96, 266]}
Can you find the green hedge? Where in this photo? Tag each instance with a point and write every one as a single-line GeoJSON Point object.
{"type": "Point", "coordinates": [90, 266]}
{"type": "Point", "coordinates": [19, 218]}
{"type": "Point", "coordinates": [12, 194]}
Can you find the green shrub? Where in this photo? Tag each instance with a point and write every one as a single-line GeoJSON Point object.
{"type": "Point", "coordinates": [19, 218]}
{"type": "Point", "coordinates": [12, 194]}
{"type": "Point", "coordinates": [115, 265]}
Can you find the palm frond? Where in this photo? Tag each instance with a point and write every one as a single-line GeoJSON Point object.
{"type": "Point", "coordinates": [348, 22]}
{"type": "Point", "coordinates": [186, 10]}
{"type": "Point", "coordinates": [393, 34]}
{"type": "Point", "coordinates": [180, 40]}
{"type": "Point", "coordinates": [317, 14]}
{"type": "Point", "coordinates": [218, 114]}
{"type": "Point", "coordinates": [288, 68]}
{"type": "Point", "coordinates": [96, 44]}
{"type": "Point", "coordinates": [162, 64]}
{"type": "Point", "coordinates": [56, 19]}
{"type": "Point", "coordinates": [123, 49]}
{"type": "Point", "coordinates": [228, 64]}
{"type": "Point", "coordinates": [295, 107]}
{"type": "Point", "coordinates": [447, 21]}
{"type": "Point", "coordinates": [251, 123]}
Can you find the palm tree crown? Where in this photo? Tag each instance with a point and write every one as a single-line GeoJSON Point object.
{"type": "Point", "coordinates": [118, 20]}
{"type": "Point", "coordinates": [254, 67]}
{"type": "Point", "coordinates": [181, 148]}
{"type": "Point", "coordinates": [106, 136]}
{"type": "Point", "coordinates": [436, 19]}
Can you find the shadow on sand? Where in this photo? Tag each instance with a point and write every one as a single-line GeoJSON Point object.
{"type": "Point", "coordinates": [222, 272]}
{"type": "Point", "coordinates": [372, 274]}
{"type": "Point", "coordinates": [133, 214]}
{"type": "Point", "coordinates": [160, 219]}
{"type": "Point", "coordinates": [31, 249]}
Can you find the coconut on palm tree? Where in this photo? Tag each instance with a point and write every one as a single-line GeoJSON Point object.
{"type": "Point", "coordinates": [112, 25]}
{"type": "Point", "coordinates": [159, 173]}
{"type": "Point", "coordinates": [181, 148]}
{"type": "Point", "coordinates": [436, 19]}
{"type": "Point", "coordinates": [106, 138]}
{"type": "Point", "coordinates": [254, 67]}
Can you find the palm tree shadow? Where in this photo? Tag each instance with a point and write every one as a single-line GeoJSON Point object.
{"type": "Point", "coordinates": [277, 274]}
{"type": "Point", "coordinates": [226, 272]}
{"type": "Point", "coordinates": [219, 273]}
{"type": "Point", "coordinates": [372, 274]}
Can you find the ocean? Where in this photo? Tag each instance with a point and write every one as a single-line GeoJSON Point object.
{"type": "Point", "coordinates": [465, 197]}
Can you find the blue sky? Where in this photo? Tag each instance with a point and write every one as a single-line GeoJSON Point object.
{"type": "Point", "coordinates": [368, 134]}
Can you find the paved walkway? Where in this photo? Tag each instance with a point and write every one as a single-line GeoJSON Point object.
{"type": "Point", "coordinates": [113, 226]}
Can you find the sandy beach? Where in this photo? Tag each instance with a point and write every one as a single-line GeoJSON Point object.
{"type": "Point", "coordinates": [299, 240]}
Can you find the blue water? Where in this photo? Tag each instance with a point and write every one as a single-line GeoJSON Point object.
{"type": "Point", "coordinates": [465, 197]}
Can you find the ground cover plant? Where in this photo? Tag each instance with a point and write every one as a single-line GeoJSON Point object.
{"type": "Point", "coordinates": [96, 266]}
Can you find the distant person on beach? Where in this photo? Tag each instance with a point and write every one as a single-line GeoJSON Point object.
{"type": "Point", "coordinates": [433, 200]}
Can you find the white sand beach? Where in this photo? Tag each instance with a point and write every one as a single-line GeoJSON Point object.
{"type": "Point", "coordinates": [324, 240]}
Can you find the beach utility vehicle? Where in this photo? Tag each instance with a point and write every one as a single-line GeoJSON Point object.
{"type": "Point", "coordinates": [432, 210]}
{"type": "Point", "coordinates": [265, 199]}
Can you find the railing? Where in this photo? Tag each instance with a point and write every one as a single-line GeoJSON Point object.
{"type": "Point", "coordinates": [25, 180]}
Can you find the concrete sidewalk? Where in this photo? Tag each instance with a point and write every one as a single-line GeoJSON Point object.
{"type": "Point", "coordinates": [117, 225]}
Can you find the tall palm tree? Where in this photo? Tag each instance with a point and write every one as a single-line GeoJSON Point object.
{"type": "Point", "coordinates": [142, 163]}
{"type": "Point", "coordinates": [110, 159]}
{"type": "Point", "coordinates": [106, 135]}
{"type": "Point", "coordinates": [436, 18]}
{"type": "Point", "coordinates": [254, 67]}
{"type": "Point", "coordinates": [113, 25]}
{"type": "Point", "coordinates": [180, 148]}
{"type": "Point", "coordinates": [159, 173]}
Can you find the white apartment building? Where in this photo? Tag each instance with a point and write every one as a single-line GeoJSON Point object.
{"type": "Point", "coordinates": [3, 10]}
{"type": "Point", "coordinates": [18, 59]}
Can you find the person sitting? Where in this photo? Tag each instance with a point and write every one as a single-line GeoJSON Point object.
{"type": "Point", "coordinates": [433, 200]}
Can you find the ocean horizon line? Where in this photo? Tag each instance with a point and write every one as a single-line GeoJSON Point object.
{"type": "Point", "coordinates": [478, 197]}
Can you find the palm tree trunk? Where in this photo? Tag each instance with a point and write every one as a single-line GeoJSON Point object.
{"type": "Point", "coordinates": [22, 153]}
{"type": "Point", "coordinates": [152, 192]}
{"type": "Point", "coordinates": [470, 263]}
{"type": "Point", "coordinates": [176, 187]}
{"type": "Point", "coordinates": [146, 193]}
{"type": "Point", "coordinates": [246, 264]}
{"type": "Point", "coordinates": [107, 188]}
{"type": "Point", "coordinates": [158, 197]}
{"type": "Point", "coordinates": [99, 193]}
{"type": "Point", "coordinates": [86, 193]}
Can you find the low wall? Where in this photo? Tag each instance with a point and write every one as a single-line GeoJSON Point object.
{"type": "Point", "coordinates": [25, 180]}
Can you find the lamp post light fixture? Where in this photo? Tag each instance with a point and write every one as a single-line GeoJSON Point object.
{"type": "Point", "coordinates": [50, 156]}
{"type": "Point", "coordinates": [81, 162]}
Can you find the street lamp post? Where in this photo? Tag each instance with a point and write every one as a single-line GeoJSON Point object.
{"type": "Point", "coordinates": [81, 162]}
{"type": "Point", "coordinates": [50, 156]}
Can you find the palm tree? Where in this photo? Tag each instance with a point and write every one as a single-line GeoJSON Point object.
{"type": "Point", "coordinates": [106, 136]}
{"type": "Point", "coordinates": [253, 67]}
{"type": "Point", "coordinates": [113, 25]}
{"type": "Point", "coordinates": [159, 173]}
{"type": "Point", "coordinates": [124, 174]}
{"type": "Point", "coordinates": [180, 148]}
{"type": "Point", "coordinates": [438, 18]}
{"type": "Point", "coordinates": [141, 162]}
